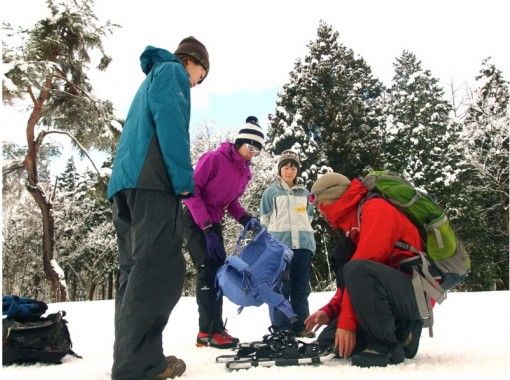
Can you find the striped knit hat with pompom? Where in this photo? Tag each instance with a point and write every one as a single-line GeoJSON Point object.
{"type": "Point", "coordinates": [250, 133]}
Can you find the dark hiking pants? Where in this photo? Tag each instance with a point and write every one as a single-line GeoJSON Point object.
{"type": "Point", "coordinates": [383, 300]}
{"type": "Point", "coordinates": [210, 306]}
{"type": "Point", "coordinates": [149, 236]}
{"type": "Point", "coordinates": [296, 289]}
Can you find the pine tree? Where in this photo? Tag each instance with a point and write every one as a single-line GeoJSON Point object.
{"type": "Point", "coordinates": [330, 112]}
{"type": "Point", "coordinates": [85, 240]}
{"type": "Point", "coordinates": [419, 134]}
{"type": "Point", "coordinates": [484, 182]}
{"type": "Point", "coordinates": [68, 179]}
{"type": "Point", "coordinates": [47, 66]}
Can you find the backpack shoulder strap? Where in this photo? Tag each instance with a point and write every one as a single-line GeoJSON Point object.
{"type": "Point", "coordinates": [367, 197]}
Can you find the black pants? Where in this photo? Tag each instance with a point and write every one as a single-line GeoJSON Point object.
{"type": "Point", "coordinates": [210, 306]}
{"type": "Point", "coordinates": [383, 300]}
{"type": "Point", "coordinates": [149, 236]}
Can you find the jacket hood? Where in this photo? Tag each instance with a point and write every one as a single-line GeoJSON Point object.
{"type": "Point", "coordinates": [343, 213]}
{"type": "Point", "coordinates": [152, 56]}
{"type": "Point", "coordinates": [229, 150]}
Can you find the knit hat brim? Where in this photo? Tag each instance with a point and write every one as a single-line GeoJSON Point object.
{"type": "Point", "coordinates": [329, 187]}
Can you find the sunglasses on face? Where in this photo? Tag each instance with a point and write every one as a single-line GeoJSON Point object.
{"type": "Point", "coordinates": [312, 197]}
{"type": "Point", "coordinates": [253, 149]}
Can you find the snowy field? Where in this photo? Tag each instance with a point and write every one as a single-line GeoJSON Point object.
{"type": "Point", "coordinates": [472, 341]}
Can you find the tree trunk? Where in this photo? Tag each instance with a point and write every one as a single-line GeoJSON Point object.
{"type": "Point", "coordinates": [92, 290]}
{"type": "Point", "coordinates": [110, 286]}
{"type": "Point", "coordinates": [58, 286]}
{"type": "Point", "coordinates": [73, 289]}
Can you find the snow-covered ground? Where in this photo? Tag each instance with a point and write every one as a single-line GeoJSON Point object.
{"type": "Point", "coordinates": [472, 341]}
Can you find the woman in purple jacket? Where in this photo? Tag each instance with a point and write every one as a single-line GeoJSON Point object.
{"type": "Point", "coordinates": [221, 177]}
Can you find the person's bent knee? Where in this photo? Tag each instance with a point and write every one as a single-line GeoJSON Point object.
{"type": "Point", "coordinates": [355, 269]}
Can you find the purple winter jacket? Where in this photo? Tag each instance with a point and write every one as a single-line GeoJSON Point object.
{"type": "Point", "coordinates": [221, 177]}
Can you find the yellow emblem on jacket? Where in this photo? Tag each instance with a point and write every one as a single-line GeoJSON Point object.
{"type": "Point", "coordinates": [300, 209]}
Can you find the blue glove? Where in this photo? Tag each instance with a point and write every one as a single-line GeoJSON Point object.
{"type": "Point", "coordinates": [215, 249]}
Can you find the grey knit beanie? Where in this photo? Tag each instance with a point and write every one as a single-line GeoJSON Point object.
{"type": "Point", "coordinates": [330, 186]}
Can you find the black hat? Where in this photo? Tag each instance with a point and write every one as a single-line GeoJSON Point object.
{"type": "Point", "coordinates": [194, 48]}
{"type": "Point", "coordinates": [250, 133]}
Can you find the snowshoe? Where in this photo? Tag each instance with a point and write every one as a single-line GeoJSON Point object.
{"type": "Point", "coordinates": [274, 341]}
{"type": "Point", "coordinates": [280, 348]}
{"type": "Point", "coordinates": [309, 353]}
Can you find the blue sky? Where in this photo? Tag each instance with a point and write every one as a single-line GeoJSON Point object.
{"type": "Point", "coordinates": [230, 110]}
{"type": "Point", "coordinates": [253, 45]}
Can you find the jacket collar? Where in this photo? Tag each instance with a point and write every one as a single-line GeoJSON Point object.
{"type": "Point", "coordinates": [229, 150]}
{"type": "Point", "coordinates": [279, 180]}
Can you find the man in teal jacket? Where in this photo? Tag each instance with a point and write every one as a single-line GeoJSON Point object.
{"type": "Point", "coordinates": [151, 173]}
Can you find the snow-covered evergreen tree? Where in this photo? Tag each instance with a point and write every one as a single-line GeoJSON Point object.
{"type": "Point", "coordinates": [21, 248]}
{"type": "Point", "coordinates": [85, 238]}
{"type": "Point", "coordinates": [329, 111]}
{"type": "Point", "coordinates": [419, 133]}
{"type": "Point", "coordinates": [486, 133]}
{"type": "Point", "coordinates": [483, 185]}
{"type": "Point", "coordinates": [68, 180]}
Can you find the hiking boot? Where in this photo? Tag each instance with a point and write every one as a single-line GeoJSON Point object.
{"type": "Point", "coordinates": [174, 367]}
{"type": "Point", "coordinates": [378, 356]}
{"type": "Point", "coordinates": [412, 341]}
{"type": "Point", "coordinates": [218, 339]}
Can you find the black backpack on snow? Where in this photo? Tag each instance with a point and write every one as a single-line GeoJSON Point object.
{"type": "Point", "coordinates": [44, 339]}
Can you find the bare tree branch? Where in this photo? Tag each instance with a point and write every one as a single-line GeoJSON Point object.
{"type": "Point", "coordinates": [10, 166]}
{"type": "Point", "coordinates": [43, 134]}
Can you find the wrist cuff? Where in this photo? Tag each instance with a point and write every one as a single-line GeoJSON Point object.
{"type": "Point", "coordinates": [207, 225]}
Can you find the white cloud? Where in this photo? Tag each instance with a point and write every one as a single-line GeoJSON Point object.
{"type": "Point", "coordinates": [253, 44]}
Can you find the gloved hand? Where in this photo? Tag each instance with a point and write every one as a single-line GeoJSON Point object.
{"type": "Point", "coordinates": [215, 249]}
{"type": "Point", "coordinates": [252, 223]}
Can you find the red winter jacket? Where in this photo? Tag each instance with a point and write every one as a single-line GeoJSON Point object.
{"type": "Point", "coordinates": [381, 226]}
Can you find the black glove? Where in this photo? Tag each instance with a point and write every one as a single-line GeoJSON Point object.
{"type": "Point", "coordinates": [252, 223]}
{"type": "Point", "coordinates": [245, 219]}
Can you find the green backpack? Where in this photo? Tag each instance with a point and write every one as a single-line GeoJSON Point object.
{"type": "Point", "coordinates": [444, 256]}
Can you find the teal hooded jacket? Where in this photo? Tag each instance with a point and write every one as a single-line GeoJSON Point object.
{"type": "Point", "coordinates": [154, 147]}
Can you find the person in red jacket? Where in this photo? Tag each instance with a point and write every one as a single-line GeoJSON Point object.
{"type": "Point", "coordinates": [373, 315]}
